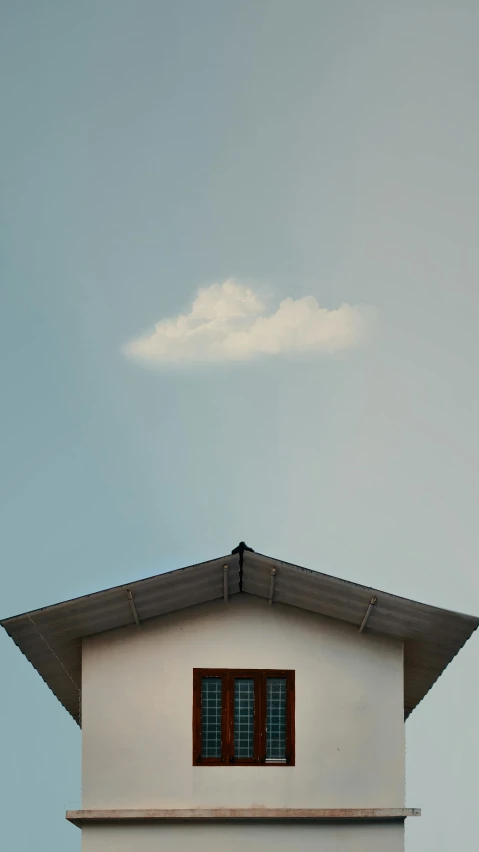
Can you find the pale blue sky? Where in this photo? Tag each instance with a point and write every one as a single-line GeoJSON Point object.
{"type": "Point", "coordinates": [324, 149]}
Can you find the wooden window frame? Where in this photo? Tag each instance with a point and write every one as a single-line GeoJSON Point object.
{"type": "Point", "coordinates": [228, 677]}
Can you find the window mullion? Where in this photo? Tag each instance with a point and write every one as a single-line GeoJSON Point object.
{"type": "Point", "coordinates": [228, 733]}
{"type": "Point", "coordinates": [290, 702]}
{"type": "Point", "coordinates": [260, 741]}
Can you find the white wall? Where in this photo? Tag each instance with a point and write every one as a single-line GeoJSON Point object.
{"type": "Point", "coordinates": [255, 837]}
{"type": "Point", "coordinates": [137, 711]}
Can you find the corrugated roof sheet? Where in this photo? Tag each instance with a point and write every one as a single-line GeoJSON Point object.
{"type": "Point", "coordinates": [51, 637]}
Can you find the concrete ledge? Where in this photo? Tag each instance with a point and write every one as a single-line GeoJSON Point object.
{"type": "Point", "coordinates": [81, 818]}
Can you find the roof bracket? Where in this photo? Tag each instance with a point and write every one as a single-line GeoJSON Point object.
{"type": "Point", "coordinates": [134, 613]}
{"type": "Point", "coordinates": [372, 603]}
{"type": "Point", "coordinates": [225, 583]}
{"type": "Point", "coordinates": [271, 585]}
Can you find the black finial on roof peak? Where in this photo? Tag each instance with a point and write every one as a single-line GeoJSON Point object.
{"type": "Point", "coordinates": [242, 547]}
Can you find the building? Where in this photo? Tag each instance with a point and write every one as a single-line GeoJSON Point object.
{"type": "Point", "coordinates": [241, 703]}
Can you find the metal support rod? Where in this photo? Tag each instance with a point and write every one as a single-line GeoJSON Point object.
{"type": "Point", "coordinates": [271, 585]}
{"type": "Point", "coordinates": [134, 613]}
{"type": "Point", "coordinates": [372, 603]}
{"type": "Point", "coordinates": [225, 583]}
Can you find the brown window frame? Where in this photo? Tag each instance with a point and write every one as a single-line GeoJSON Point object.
{"type": "Point", "coordinates": [228, 677]}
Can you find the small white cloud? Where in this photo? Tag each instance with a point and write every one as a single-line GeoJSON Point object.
{"type": "Point", "coordinates": [229, 322]}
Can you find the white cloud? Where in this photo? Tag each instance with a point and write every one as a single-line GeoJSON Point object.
{"type": "Point", "coordinates": [229, 322]}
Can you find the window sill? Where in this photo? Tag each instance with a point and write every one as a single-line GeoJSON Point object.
{"type": "Point", "coordinates": [80, 818]}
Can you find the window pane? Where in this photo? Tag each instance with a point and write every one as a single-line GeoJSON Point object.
{"type": "Point", "coordinates": [211, 717]}
{"type": "Point", "coordinates": [244, 717]}
{"type": "Point", "coordinates": [275, 718]}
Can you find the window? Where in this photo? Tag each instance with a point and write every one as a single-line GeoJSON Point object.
{"type": "Point", "coordinates": [243, 717]}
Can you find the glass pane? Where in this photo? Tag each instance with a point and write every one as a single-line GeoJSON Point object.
{"type": "Point", "coordinates": [244, 717]}
{"type": "Point", "coordinates": [275, 718]}
{"type": "Point", "coordinates": [211, 717]}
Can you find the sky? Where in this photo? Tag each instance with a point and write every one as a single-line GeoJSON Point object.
{"type": "Point", "coordinates": [238, 274]}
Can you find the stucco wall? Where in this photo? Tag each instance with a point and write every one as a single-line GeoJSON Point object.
{"type": "Point", "coordinates": [237, 838]}
{"type": "Point", "coordinates": [137, 711]}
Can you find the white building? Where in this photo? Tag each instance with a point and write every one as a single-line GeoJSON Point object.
{"type": "Point", "coordinates": [241, 703]}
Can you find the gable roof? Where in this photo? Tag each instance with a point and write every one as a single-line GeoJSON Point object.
{"type": "Point", "coordinates": [51, 637]}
